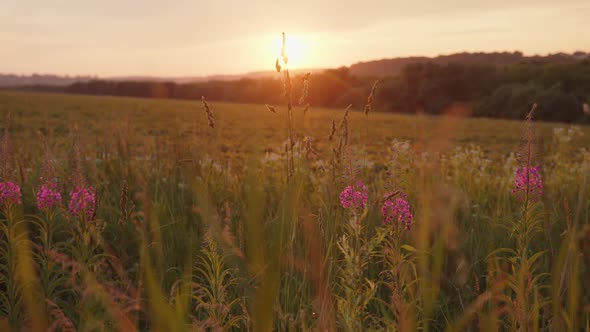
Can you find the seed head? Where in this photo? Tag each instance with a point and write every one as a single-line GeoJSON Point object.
{"type": "Point", "coordinates": [369, 105]}
{"type": "Point", "coordinates": [305, 91]}
{"type": "Point", "coordinates": [333, 130]}
{"type": "Point", "coordinates": [208, 111]}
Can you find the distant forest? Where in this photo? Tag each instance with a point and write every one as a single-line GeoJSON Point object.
{"type": "Point", "coordinates": [496, 85]}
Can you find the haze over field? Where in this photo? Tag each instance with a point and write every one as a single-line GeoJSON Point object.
{"type": "Point", "coordinates": [184, 38]}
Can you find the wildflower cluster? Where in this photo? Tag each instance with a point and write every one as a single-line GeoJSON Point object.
{"type": "Point", "coordinates": [527, 178]}
{"type": "Point", "coordinates": [565, 136]}
{"type": "Point", "coordinates": [9, 193]}
{"type": "Point", "coordinates": [354, 196]}
{"type": "Point", "coordinates": [82, 202]}
{"type": "Point", "coordinates": [397, 210]}
{"type": "Point", "coordinates": [48, 196]}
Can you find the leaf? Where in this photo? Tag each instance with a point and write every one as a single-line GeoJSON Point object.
{"type": "Point", "coordinates": [408, 247]}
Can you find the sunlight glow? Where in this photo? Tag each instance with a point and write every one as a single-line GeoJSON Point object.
{"type": "Point", "coordinates": [297, 50]}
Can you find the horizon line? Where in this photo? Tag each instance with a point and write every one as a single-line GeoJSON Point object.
{"type": "Point", "coordinates": [271, 68]}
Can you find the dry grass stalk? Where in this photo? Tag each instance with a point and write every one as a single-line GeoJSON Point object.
{"type": "Point", "coordinates": [369, 105]}
{"type": "Point", "coordinates": [287, 80]}
{"type": "Point", "coordinates": [527, 153]}
{"type": "Point", "coordinates": [344, 125]}
{"type": "Point", "coordinates": [208, 111]}
{"type": "Point", "coordinates": [333, 131]}
{"type": "Point", "coordinates": [305, 89]}
{"type": "Point", "coordinates": [126, 210]}
{"type": "Point", "coordinates": [123, 200]}
{"type": "Point", "coordinates": [390, 196]}
{"type": "Point", "coordinates": [287, 86]}
{"type": "Point", "coordinates": [288, 96]}
{"type": "Point", "coordinates": [345, 117]}
{"type": "Point", "coordinates": [343, 141]}
{"type": "Point", "coordinates": [307, 146]}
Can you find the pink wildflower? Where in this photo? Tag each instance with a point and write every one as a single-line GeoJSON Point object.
{"type": "Point", "coordinates": [354, 196]}
{"type": "Point", "coordinates": [528, 178]}
{"type": "Point", "coordinates": [397, 210]}
{"type": "Point", "coordinates": [82, 202]}
{"type": "Point", "coordinates": [9, 193]}
{"type": "Point", "coordinates": [48, 196]}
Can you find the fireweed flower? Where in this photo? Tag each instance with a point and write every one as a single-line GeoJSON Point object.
{"type": "Point", "coordinates": [48, 196]}
{"type": "Point", "coordinates": [9, 193]}
{"type": "Point", "coordinates": [397, 210]}
{"type": "Point", "coordinates": [82, 202]}
{"type": "Point", "coordinates": [354, 196]}
{"type": "Point", "coordinates": [527, 178]}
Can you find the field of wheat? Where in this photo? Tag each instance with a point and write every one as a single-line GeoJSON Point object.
{"type": "Point", "coordinates": [157, 215]}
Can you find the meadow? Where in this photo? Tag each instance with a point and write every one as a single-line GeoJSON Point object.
{"type": "Point", "coordinates": [246, 217]}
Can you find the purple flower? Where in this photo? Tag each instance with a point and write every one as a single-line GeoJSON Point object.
{"type": "Point", "coordinates": [527, 178]}
{"type": "Point", "coordinates": [354, 196]}
{"type": "Point", "coordinates": [48, 196]}
{"type": "Point", "coordinates": [9, 193]}
{"type": "Point", "coordinates": [82, 202]}
{"type": "Point", "coordinates": [397, 210]}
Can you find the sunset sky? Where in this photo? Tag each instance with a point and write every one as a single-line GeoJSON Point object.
{"type": "Point", "coordinates": [189, 38]}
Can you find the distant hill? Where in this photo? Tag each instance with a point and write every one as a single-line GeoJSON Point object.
{"type": "Point", "coordinates": [392, 67]}
{"type": "Point", "coordinates": [188, 79]}
{"type": "Point", "coordinates": [208, 78]}
{"type": "Point", "coordinates": [11, 80]}
{"type": "Point", "coordinates": [376, 68]}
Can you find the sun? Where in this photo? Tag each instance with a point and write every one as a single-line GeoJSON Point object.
{"type": "Point", "coordinates": [296, 49]}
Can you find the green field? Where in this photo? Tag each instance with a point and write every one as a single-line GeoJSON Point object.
{"type": "Point", "coordinates": [200, 228]}
{"type": "Point", "coordinates": [247, 128]}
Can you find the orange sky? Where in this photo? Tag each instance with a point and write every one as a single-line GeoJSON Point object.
{"type": "Point", "coordinates": [188, 38]}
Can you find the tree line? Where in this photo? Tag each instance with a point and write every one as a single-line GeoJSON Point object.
{"type": "Point", "coordinates": [496, 91]}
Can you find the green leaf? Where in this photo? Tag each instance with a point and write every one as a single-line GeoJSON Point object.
{"type": "Point", "coordinates": [409, 248]}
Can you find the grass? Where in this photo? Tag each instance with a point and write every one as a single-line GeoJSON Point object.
{"type": "Point", "coordinates": [244, 126]}
{"type": "Point", "coordinates": [201, 228]}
